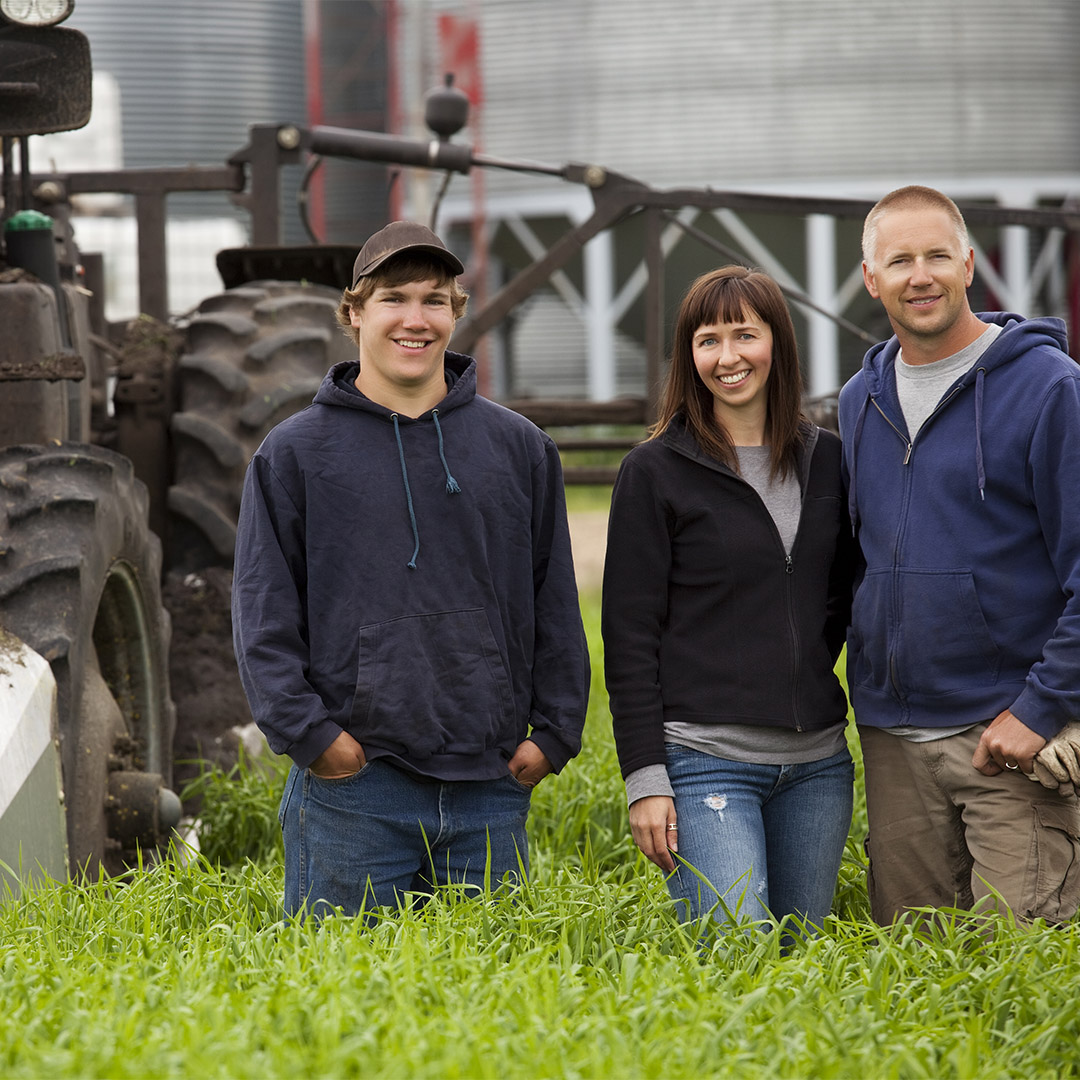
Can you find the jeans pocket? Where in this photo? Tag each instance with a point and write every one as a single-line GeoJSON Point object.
{"type": "Point", "coordinates": [526, 788]}
{"type": "Point", "coordinates": [340, 781]}
{"type": "Point", "coordinates": [286, 795]}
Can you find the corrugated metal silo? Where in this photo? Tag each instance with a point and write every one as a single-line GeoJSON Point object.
{"type": "Point", "coordinates": [193, 76]}
{"type": "Point", "coordinates": [838, 97]}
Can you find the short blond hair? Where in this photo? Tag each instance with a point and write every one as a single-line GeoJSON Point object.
{"type": "Point", "coordinates": [912, 197]}
{"type": "Point", "coordinates": [402, 269]}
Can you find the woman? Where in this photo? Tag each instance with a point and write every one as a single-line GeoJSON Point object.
{"type": "Point", "coordinates": [726, 600]}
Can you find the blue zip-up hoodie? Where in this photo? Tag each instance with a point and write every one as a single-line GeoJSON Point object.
{"type": "Point", "coordinates": [410, 581]}
{"type": "Point", "coordinates": [969, 602]}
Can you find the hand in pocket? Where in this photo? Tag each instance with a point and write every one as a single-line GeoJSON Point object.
{"type": "Point", "coordinates": [344, 757]}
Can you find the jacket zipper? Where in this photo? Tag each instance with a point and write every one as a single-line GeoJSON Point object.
{"type": "Point", "coordinates": [789, 563]}
{"type": "Point", "coordinates": [789, 570]}
{"type": "Point", "coordinates": [796, 651]}
{"type": "Point", "coordinates": [909, 445]}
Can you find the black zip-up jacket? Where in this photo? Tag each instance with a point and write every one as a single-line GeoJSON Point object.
{"type": "Point", "coordinates": [706, 618]}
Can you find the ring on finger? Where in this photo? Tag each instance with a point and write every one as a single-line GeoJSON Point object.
{"type": "Point", "coordinates": [1011, 765]}
{"type": "Point", "coordinates": [672, 828]}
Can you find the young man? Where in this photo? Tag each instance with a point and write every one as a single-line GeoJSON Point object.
{"type": "Point", "coordinates": [962, 457]}
{"type": "Point", "coordinates": [405, 612]}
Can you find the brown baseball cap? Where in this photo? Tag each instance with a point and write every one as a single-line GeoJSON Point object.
{"type": "Point", "coordinates": [395, 238]}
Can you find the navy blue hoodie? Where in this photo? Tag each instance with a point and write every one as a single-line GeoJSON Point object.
{"type": "Point", "coordinates": [410, 581]}
{"type": "Point", "coordinates": [969, 603]}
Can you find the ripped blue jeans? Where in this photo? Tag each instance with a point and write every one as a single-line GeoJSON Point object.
{"type": "Point", "coordinates": [767, 838]}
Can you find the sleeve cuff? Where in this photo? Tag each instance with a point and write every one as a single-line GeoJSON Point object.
{"type": "Point", "coordinates": [554, 750]}
{"type": "Point", "coordinates": [1033, 714]}
{"type": "Point", "coordinates": [645, 782]}
{"type": "Point", "coordinates": [314, 743]}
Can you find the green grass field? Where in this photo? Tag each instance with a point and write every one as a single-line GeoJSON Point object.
{"type": "Point", "coordinates": [188, 971]}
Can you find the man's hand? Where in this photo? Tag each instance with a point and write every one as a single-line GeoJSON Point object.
{"type": "Point", "coordinates": [1007, 743]}
{"type": "Point", "coordinates": [1057, 764]}
{"type": "Point", "coordinates": [344, 757]}
{"type": "Point", "coordinates": [649, 821]}
{"type": "Point", "coordinates": [529, 765]}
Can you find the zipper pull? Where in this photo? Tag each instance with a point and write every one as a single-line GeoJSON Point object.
{"type": "Point", "coordinates": [789, 567]}
{"type": "Point", "coordinates": [907, 455]}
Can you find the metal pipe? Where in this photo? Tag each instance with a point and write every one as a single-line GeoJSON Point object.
{"type": "Point", "coordinates": [153, 257]}
{"type": "Point", "coordinates": [24, 171]}
{"type": "Point", "coordinates": [375, 146]}
{"type": "Point", "coordinates": [8, 180]}
{"type": "Point", "coordinates": [489, 162]}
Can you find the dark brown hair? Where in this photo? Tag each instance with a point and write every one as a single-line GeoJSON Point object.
{"type": "Point", "coordinates": [732, 294]}
{"type": "Point", "coordinates": [402, 269]}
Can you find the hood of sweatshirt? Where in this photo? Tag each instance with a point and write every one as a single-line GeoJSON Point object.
{"type": "Point", "coordinates": [338, 389]}
{"type": "Point", "coordinates": [878, 378]}
{"type": "Point", "coordinates": [1019, 335]}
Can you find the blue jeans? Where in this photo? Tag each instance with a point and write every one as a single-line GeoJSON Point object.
{"type": "Point", "coordinates": [369, 839]}
{"type": "Point", "coordinates": [768, 839]}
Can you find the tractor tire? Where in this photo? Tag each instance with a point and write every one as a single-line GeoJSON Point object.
{"type": "Point", "coordinates": [251, 357]}
{"type": "Point", "coordinates": [80, 584]}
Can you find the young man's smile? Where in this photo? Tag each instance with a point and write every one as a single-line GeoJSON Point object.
{"type": "Point", "coordinates": [403, 334]}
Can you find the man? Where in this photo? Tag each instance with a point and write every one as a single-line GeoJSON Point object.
{"type": "Point", "coordinates": [962, 457]}
{"type": "Point", "coordinates": [405, 612]}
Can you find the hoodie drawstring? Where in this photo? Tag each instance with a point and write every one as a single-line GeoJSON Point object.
{"type": "Point", "coordinates": [451, 484]}
{"type": "Point", "coordinates": [408, 492]}
{"type": "Point", "coordinates": [452, 487]}
{"type": "Point", "coordinates": [979, 376]}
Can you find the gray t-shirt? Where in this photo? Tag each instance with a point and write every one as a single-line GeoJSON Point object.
{"type": "Point", "coordinates": [782, 497]}
{"type": "Point", "coordinates": [921, 386]}
{"type": "Point", "coordinates": [748, 742]}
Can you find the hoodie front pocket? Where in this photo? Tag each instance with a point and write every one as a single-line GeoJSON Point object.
{"type": "Point", "coordinates": [431, 683]}
{"type": "Point", "coordinates": [943, 644]}
{"type": "Point", "coordinates": [868, 636]}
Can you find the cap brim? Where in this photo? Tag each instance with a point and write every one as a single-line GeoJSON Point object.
{"type": "Point", "coordinates": [453, 263]}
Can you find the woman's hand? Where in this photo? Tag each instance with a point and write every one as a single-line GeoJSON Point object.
{"type": "Point", "coordinates": [652, 823]}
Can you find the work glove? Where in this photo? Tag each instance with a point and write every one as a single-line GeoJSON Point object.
{"type": "Point", "coordinates": [1057, 764]}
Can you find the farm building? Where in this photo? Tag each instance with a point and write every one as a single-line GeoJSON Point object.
{"type": "Point", "coordinates": [831, 100]}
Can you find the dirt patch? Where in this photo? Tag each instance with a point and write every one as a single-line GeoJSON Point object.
{"type": "Point", "coordinates": [210, 701]}
{"type": "Point", "coordinates": [588, 538]}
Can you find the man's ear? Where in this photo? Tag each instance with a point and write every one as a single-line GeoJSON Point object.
{"type": "Point", "coordinates": [354, 316]}
{"type": "Point", "coordinates": [868, 281]}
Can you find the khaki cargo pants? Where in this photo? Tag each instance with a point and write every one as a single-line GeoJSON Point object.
{"type": "Point", "coordinates": [940, 832]}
